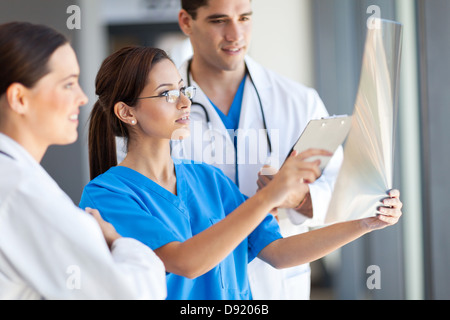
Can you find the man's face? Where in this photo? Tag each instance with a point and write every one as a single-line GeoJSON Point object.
{"type": "Point", "coordinates": [220, 35]}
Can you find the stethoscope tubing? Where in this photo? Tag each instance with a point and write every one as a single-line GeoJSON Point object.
{"type": "Point", "coordinates": [208, 118]}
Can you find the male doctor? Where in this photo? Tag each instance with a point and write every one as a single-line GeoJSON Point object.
{"type": "Point", "coordinates": [244, 117]}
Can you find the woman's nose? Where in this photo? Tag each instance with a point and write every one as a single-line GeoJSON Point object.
{"type": "Point", "coordinates": [83, 98]}
{"type": "Point", "coordinates": [184, 102]}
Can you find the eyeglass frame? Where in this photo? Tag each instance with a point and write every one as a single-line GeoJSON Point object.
{"type": "Point", "coordinates": [166, 94]}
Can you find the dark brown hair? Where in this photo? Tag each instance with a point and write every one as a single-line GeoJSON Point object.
{"type": "Point", "coordinates": [121, 78]}
{"type": "Point", "coordinates": [191, 6]}
{"type": "Point", "coordinates": [25, 50]}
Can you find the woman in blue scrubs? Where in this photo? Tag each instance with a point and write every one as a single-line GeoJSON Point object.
{"type": "Point", "coordinates": [193, 217]}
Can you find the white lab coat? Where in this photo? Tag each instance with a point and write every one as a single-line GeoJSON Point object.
{"type": "Point", "coordinates": [51, 249]}
{"type": "Point", "coordinates": [288, 107]}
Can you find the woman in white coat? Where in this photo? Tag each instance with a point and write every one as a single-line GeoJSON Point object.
{"type": "Point", "coordinates": [49, 248]}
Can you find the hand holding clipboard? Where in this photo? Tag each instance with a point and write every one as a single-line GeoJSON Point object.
{"type": "Point", "coordinates": [326, 133]}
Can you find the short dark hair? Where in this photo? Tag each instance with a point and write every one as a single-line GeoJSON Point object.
{"type": "Point", "coordinates": [25, 50]}
{"type": "Point", "coordinates": [191, 6]}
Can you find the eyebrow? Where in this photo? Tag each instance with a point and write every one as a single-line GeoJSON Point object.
{"type": "Point", "coordinates": [221, 16]}
{"type": "Point", "coordinates": [71, 76]}
{"type": "Point", "coordinates": [167, 84]}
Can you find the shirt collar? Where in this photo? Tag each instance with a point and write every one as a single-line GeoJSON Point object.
{"type": "Point", "coordinates": [14, 150]}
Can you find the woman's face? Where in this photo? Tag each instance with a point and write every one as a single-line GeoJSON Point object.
{"type": "Point", "coordinates": [55, 100]}
{"type": "Point", "coordinates": [155, 116]}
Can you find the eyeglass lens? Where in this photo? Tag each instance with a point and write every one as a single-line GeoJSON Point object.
{"type": "Point", "coordinates": [173, 95]}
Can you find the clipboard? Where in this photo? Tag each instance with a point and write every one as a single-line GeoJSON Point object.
{"type": "Point", "coordinates": [326, 133]}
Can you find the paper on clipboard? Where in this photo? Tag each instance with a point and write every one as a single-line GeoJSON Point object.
{"type": "Point", "coordinates": [326, 133]}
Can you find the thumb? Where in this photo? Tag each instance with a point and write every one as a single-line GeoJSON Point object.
{"type": "Point", "coordinates": [267, 170]}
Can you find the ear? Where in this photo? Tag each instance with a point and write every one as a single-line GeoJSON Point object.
{"type": "Point", "coordinates": [185, 21]}
{"type": "Point", "coordinates": [16, 97]}
{"type": "Point", "coordinates": [125, 113]}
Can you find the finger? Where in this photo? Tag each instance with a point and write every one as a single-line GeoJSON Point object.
{"type": "Point", "coordinates": [303, 169]}
{"type": "Point", "coordinates": [314, 152]}
{"type": "Point", "coordinates": [316, 168]}
{"type": "Point", "coordinates": [265, 179]}
{"type": "Point", "coordinates": [267, 171]}
{"type": "Point", "coordinates": [387, 219]}
{"type": "Point", "coordinates": [96, 215]}
{"type": "Point", "coordinates": [394, 193]}
{"type": "Point", "coordinates": [261, 175]}
{"type": "Point", "coordinates": [308, 176]}
{"type": "Point", "coordinates": [392, 203]}
{"type": "Point", "coordinates": [266, 167]}
{"type": "Point", "coordinates": [307, 172]}
{"type": "Point", "coordinates": [91, 211]}
{"type": "Point", "coordinates": [294, 153]}
{"type": "Point", "coordinates": [302, 163]}
{"type": "Point", "coordinates": [392, 212]}
{"type": "Point", "coordinates": [312, 167]}
{"type": "Point", "coordinates": [260, 184]}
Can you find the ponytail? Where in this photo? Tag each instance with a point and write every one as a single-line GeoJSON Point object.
{"type": "Point", "coordinates": [102, 142]}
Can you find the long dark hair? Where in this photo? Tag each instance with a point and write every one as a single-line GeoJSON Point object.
{"type": "Point", "coordinates": [121, 78]}
{"type": "Point", "coordinates": [25, 50]}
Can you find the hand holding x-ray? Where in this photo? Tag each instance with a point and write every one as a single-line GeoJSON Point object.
{"type": "Point", "coordinates": [366, 174]}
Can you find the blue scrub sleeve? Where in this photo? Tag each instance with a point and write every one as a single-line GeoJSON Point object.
{"type": "Point", "coordinates": [267, 232]}
{"type": "Point", "coordinates": [127, 215]}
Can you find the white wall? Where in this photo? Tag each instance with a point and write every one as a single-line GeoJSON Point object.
{"type": "Point", "coordinates": [92, 50]}
{"type": "Point", "coordinates": [283, 38]}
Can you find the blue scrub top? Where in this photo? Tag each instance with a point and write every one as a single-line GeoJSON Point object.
{"type": "Point", "coordinates": [140, 208]}
{"type": "Point", "coordinates": [231, 120]}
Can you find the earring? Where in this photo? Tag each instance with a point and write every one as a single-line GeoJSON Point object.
{"type": "Point", "coordinates": [133, 121]}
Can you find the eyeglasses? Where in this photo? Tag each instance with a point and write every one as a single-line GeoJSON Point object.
{"type": "Point", "coordinates": [172, 96]}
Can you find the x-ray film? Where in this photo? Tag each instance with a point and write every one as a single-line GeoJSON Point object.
{"type": "Point", "coordinates": [367, 171]}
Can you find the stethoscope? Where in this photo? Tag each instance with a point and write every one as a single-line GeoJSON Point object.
{"type": "Point", "coordinates": [206, 114]}
{"type": "Point", "coordinates": [209, 123]}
